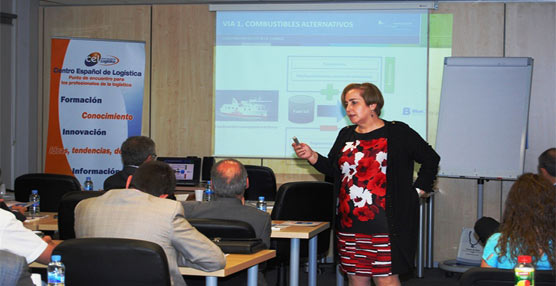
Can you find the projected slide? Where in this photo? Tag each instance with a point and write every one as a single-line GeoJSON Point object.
{"type": "Point", "coordinates": [280, 74]}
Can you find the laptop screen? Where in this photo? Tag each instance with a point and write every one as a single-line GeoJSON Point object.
{"type": "Point", "coordinates": [187, 169]}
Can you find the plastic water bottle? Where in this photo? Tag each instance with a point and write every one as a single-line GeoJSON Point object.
{"type": "Point", "coordinates": [524, 271]}
{"type": "Point", "coordinates": [35, 209]}
{"type": "Point", "coordinates": [88, 185]}
{"type": "Point", "coordinates": [208, 195]}
{"type": "Point", "coordinates": [56, 271]}
{"type": "Point", "coordinates": [261, 204]}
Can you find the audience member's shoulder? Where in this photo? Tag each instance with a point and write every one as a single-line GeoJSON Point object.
{"type": "Point", "coordinates": [493, 239]}
{"type": "Point", "coordinates": [6, 215]}
{"type": "Point", "coordinates": [190, 203]}
{"type": "Point", "coordinates": [189, 206]}
{"type": "Point", "coordinates": [255, 211]}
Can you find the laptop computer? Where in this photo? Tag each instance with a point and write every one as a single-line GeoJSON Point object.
{"type": "Point", "coordinates": [187, 169]}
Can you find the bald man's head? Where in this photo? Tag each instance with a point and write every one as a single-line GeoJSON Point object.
{"type": "Point", "coordinates": [229, 178]}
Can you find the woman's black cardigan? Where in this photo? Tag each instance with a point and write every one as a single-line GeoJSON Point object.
{"type": "Point", "coordinates": [405, 146]}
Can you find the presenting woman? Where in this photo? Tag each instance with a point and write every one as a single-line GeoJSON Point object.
{"type": "Point", "coordinates": [378, 202]}
{"type": "Point", "coordinates": [528, 226]}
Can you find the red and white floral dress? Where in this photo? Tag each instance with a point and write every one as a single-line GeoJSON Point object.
{"type": "Point", "coordinates": [363, 241]}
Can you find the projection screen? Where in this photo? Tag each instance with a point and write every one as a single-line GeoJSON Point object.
{"type": "Point", "coordinates": [280, 74]}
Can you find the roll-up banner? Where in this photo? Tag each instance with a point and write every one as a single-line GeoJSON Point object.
{"type": "Point", "coordinates": [96, 102]}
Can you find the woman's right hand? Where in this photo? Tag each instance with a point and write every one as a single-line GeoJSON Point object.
{"type": "Point", "coordinates": [303, 151]}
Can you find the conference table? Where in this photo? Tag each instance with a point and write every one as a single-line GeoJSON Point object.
{"type": "Point", "coordinates": [234, 264]}
{"type": "Point", "coordinates": [295, 232]}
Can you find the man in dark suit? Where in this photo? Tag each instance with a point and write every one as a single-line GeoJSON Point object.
{"type": "Point", "coordinates": [136, 150]}
{"type": "Point", "coordinates": [229, 181]}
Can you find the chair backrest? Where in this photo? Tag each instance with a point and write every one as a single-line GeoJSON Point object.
{"type": "Point", "coordinates": [223, 228]}
{"type": "Point", "coordinates": [113, 261]}
{"type": "Point", "coordinates": [478, 276]}
{"type": "Point", "coordinates": [310, 201]}
{"type": "Point", "coordinates": [262, 182]}
{"type": "Point", "coordinates": [66, 211]}
{"type": "Point", "coordinates": [51, 188]}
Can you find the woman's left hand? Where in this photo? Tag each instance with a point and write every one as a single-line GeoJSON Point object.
{"type": "Point", "coordinates": [422, 194]}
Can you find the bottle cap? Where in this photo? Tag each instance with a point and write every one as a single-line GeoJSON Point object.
{"type": "Point", "coordinates": [56, 258]}
{"type": "Point", "coordinates": [524, 259]}
{"type": "Point", "coordinates": [88, 179]}
{"type": "Point", "coordinates": [34, 192]}
{"type": "Point", "coordinates": [261, 198]}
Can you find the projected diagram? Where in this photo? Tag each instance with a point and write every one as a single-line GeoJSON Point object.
{"type": "Point", "coordinates": [244, 105]}
{"type": "Point", "coordinates": [312, 73]}
{"type": "Point", "coordinates": [249, 109]}
{"type": "Point", "coordinates": [324, 78]}
{"type": "Point", "coordinates": [183, 171]}
{"type": "Point", "coordinates": [314, 85]}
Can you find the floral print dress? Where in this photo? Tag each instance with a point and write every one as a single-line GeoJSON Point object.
{"type": "Point", "coordinates": [361, 204]}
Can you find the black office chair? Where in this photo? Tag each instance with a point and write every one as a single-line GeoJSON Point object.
{"type": "Point", "coordinates": [223, 228]}
{"type": "Point", "coordinates": [51, 188]}
{"type": "Point", "coordinates": [113, 261]}
{"type": "Point", "coordinates": [66, 211]}
{"type": "Point", "coordinates": [262, 182]}
{"type": "Point", "coordinates": [309, 201]}
{"type": "Point", "coordinates": [478, 276]}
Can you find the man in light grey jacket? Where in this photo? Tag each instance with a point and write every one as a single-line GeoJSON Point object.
{"type": "Point", "coordinates": [141, 212]}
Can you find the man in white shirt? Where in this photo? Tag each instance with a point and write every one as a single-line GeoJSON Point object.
{"type": "Point", "coordinates": [17, 239]}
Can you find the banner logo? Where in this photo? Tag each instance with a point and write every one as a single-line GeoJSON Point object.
{"type": "Point", "coordinates": [95, 58]}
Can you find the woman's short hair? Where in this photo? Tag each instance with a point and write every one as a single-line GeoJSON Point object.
{"type": "Point", "coordinates": [370, 93]}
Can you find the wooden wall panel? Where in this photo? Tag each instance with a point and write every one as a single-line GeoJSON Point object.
{"type": "Point", "coordinates": [478, 30]}
{"type": "Point", "coordinates": [182, 81]}
{"type": "Point", "coordinates": [130, 23]}
{"type": "Point", "coordinates": [531, 32]}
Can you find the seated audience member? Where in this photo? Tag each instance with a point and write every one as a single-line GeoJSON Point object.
{"type": "Point", "coordinates": [17, 239]}
{"type": "Point", "coordinates": [547, 165]}
{"type": "Point", "coordinates": [528, 226]}
{"type": "Point", "coordinates": [486, 226]}
{"type": "Point", "coordinates": [141, 212]}
{"type": "Point", "coordinates": [229, 181]}
{"type": "Point", "coordinates": [135, 150]}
